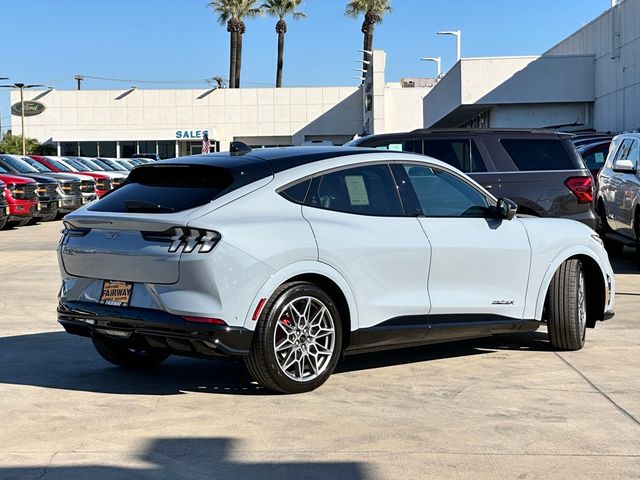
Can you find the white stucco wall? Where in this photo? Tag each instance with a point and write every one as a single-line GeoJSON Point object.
{"type": "Point", "coordinates": [88, 115]}
{"type": "Point", "coordinates": [614, 39]}
{"type": "Point", "coordinates": [445, 96]}
{"type": "Point", "coordinates": [538, 115]}
{"type": "Point", "coordinates": [403, 108]}
{"type": "Point", "coordinates": [549, 82]}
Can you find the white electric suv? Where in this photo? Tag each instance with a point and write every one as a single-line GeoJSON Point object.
{"type": "Point", "coordinates": [289, 258]}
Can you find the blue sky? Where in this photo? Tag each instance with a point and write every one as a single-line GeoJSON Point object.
{"type": "Point", "coordinates": [48, 42]}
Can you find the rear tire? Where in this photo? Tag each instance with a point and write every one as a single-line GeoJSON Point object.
{"type": "Point", "coordinates": [297, 341]}
{"type": "Point", "coordinates": [127, 356]}
{"type": "Point", "coordinates": [3, 222]}
{"type": "Point", "coordinates": [567, 307]}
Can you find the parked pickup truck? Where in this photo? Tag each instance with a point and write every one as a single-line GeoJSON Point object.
{"type": "Point", "coordinates": [4, 207]}
{"type": "Point", "coordinates": [22, 199]}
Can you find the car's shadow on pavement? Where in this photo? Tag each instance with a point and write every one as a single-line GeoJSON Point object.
{"type": "Point", "coordinates": [61, 361]}
{"type": "Point", "coordinates": [186, 457]}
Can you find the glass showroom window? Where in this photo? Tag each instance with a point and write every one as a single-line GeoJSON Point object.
{"type": "Point", "coordinates": [167, 149]}
{"type": "Point", "coordinates": [147, 146]}
{"type": "Point", "coordinates": [127, 149]}
{"type": "Point", "coordinates": [88, 149]}
{"type": "Point", "coordinates": [69, 149]}
{"type": "Point", "coordinates": [107, 149]}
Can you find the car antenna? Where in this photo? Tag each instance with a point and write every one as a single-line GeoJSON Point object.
{"type": "Point", "coordinates": [239, 148]}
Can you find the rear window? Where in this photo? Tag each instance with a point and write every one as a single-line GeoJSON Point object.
{"type": "Point", "coordinates": [170, 188]}
{"type": "Point", "coordinates": [539, 154]}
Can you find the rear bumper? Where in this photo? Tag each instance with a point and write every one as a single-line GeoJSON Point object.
{"type": "Point", "coordinates": [157, 328]}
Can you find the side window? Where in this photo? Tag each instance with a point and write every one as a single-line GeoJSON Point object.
{"type": "Point", "coordinates": [298, 192]}
{"type": "Point", "coordinates": [634, 152]}
{"type": "Point", "coordinates": [441, 194]}
{"type": "Point", "coordinates": [461, 154]}
{"type": "Point", "coordinates": [614, 150]}
{"type": "Point", "coordinates": [366, 190]}
{"type": "Point", "coordinates": [624, 151]}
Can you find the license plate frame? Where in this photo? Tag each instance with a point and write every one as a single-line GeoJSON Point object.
{"type": "Point", "coordinates": [116, 293]}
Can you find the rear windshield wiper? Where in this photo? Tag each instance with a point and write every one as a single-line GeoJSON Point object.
{"type": "Point", "coordinates": [146, 207]}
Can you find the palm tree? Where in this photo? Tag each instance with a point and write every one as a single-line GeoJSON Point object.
{"type": "Point", "coordinates": [232, 12]}
{"type": "Point", "coordinates": [373, 11]}
{"type": "Point", "coordinates": [280, 9]}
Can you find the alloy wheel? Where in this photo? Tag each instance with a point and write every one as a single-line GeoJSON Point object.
{"type": "Point", "coordinates": [304, 339]}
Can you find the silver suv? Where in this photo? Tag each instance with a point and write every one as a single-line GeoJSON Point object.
{"type": "Point", "coordinates": [619, 193]}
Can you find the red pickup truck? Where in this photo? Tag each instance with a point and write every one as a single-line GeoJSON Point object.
{"type": "Point", "coordinates": [21, 195]}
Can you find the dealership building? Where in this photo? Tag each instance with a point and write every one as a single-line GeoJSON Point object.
{"type": "Point", "coordinates": [119, 123]}
{"type": "Point", "coordinates": [590, 80]}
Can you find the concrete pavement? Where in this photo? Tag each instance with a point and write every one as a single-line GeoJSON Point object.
{"type": "Point", "coordinates": [505, 407]}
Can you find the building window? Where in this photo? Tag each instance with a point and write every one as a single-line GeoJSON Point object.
{"type": "Point", "coordinates": [88, 149]}
{"type": "Point", "coordinates": [127, 149]}
{"type": "Point", "coordinates": [107, 149]}
{"type": "Point", "coordinates": [147, 146]}
{"type": "Point", "coordinates": [166, 149]}
{"type": "Point", "coordinates": [69, 149]}
{"type": "Point", "coordinates": [481, 120]}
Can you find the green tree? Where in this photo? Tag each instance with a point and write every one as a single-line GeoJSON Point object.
{"type": "Point", "coordinates": [373, 11]}
{"type": "Point", "coordinates": [231, 13]}
{"type": "Point", "coordinates": [280, 9]}
{"type": "Point", "coordinates": [12, 144]}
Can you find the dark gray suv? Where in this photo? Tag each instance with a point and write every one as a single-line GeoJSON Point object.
{"type": "Point", "coordinates": [540, 170]}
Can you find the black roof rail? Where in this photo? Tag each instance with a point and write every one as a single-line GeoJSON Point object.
{"type": "Point", "coordinates": [426, 131]}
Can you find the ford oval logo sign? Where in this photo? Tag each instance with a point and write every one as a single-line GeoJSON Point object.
{"type": "Point", "coordinates": [31, 108]}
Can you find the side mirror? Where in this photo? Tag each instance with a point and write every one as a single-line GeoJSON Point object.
{"type": "Point", "coordinates": [624, 166]}
{"type": "Point", "coordinates": [507, 209]}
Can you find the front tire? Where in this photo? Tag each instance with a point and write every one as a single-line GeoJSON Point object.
{"type": "Point", "coordinates": [297, 341]}
{"type": "Point", "coordinates": [123, 355]}
{"type": "Point", "coordinates": [567, 307]}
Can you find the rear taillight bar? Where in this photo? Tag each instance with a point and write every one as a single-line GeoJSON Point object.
{"type": "Point", "coordinates": [185, 240]}
{"type": "Point", "coordinates": [581, 187]}
{"type": "Point", "coordinates": [72, 231]}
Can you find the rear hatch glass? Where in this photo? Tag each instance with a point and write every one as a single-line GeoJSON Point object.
{"type": "Point", "coordinates": [535, 154]}
{"type": "Point", "coordinates": [171, 188]}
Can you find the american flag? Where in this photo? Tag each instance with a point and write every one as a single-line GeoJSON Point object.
{"type": "Point", "coordinates": [206, 144]}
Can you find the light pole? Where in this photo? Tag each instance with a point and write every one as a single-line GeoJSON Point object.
{"type": "Point", "coordinates": [438, 61]}
{"type": "Point", "coordinates": [21, 86]}
{"type": "Point", "coordinates": [458, 35]}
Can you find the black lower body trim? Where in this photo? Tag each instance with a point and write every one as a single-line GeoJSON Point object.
{"type": "Point", "coordinates": [425, 329]}
{"type": "Point", "coordinates": [157, 328]}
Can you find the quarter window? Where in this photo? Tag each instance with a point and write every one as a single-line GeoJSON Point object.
{"type": "Point", "coordinates": [442, 194]}
{"type": "Point", "coordinates": [366, 190]}
{"type": "Point", "coordinates": [298, 192]}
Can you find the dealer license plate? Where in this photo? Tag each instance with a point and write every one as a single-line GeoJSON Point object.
{"type": "Point", "coordinates": [116, 293]}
